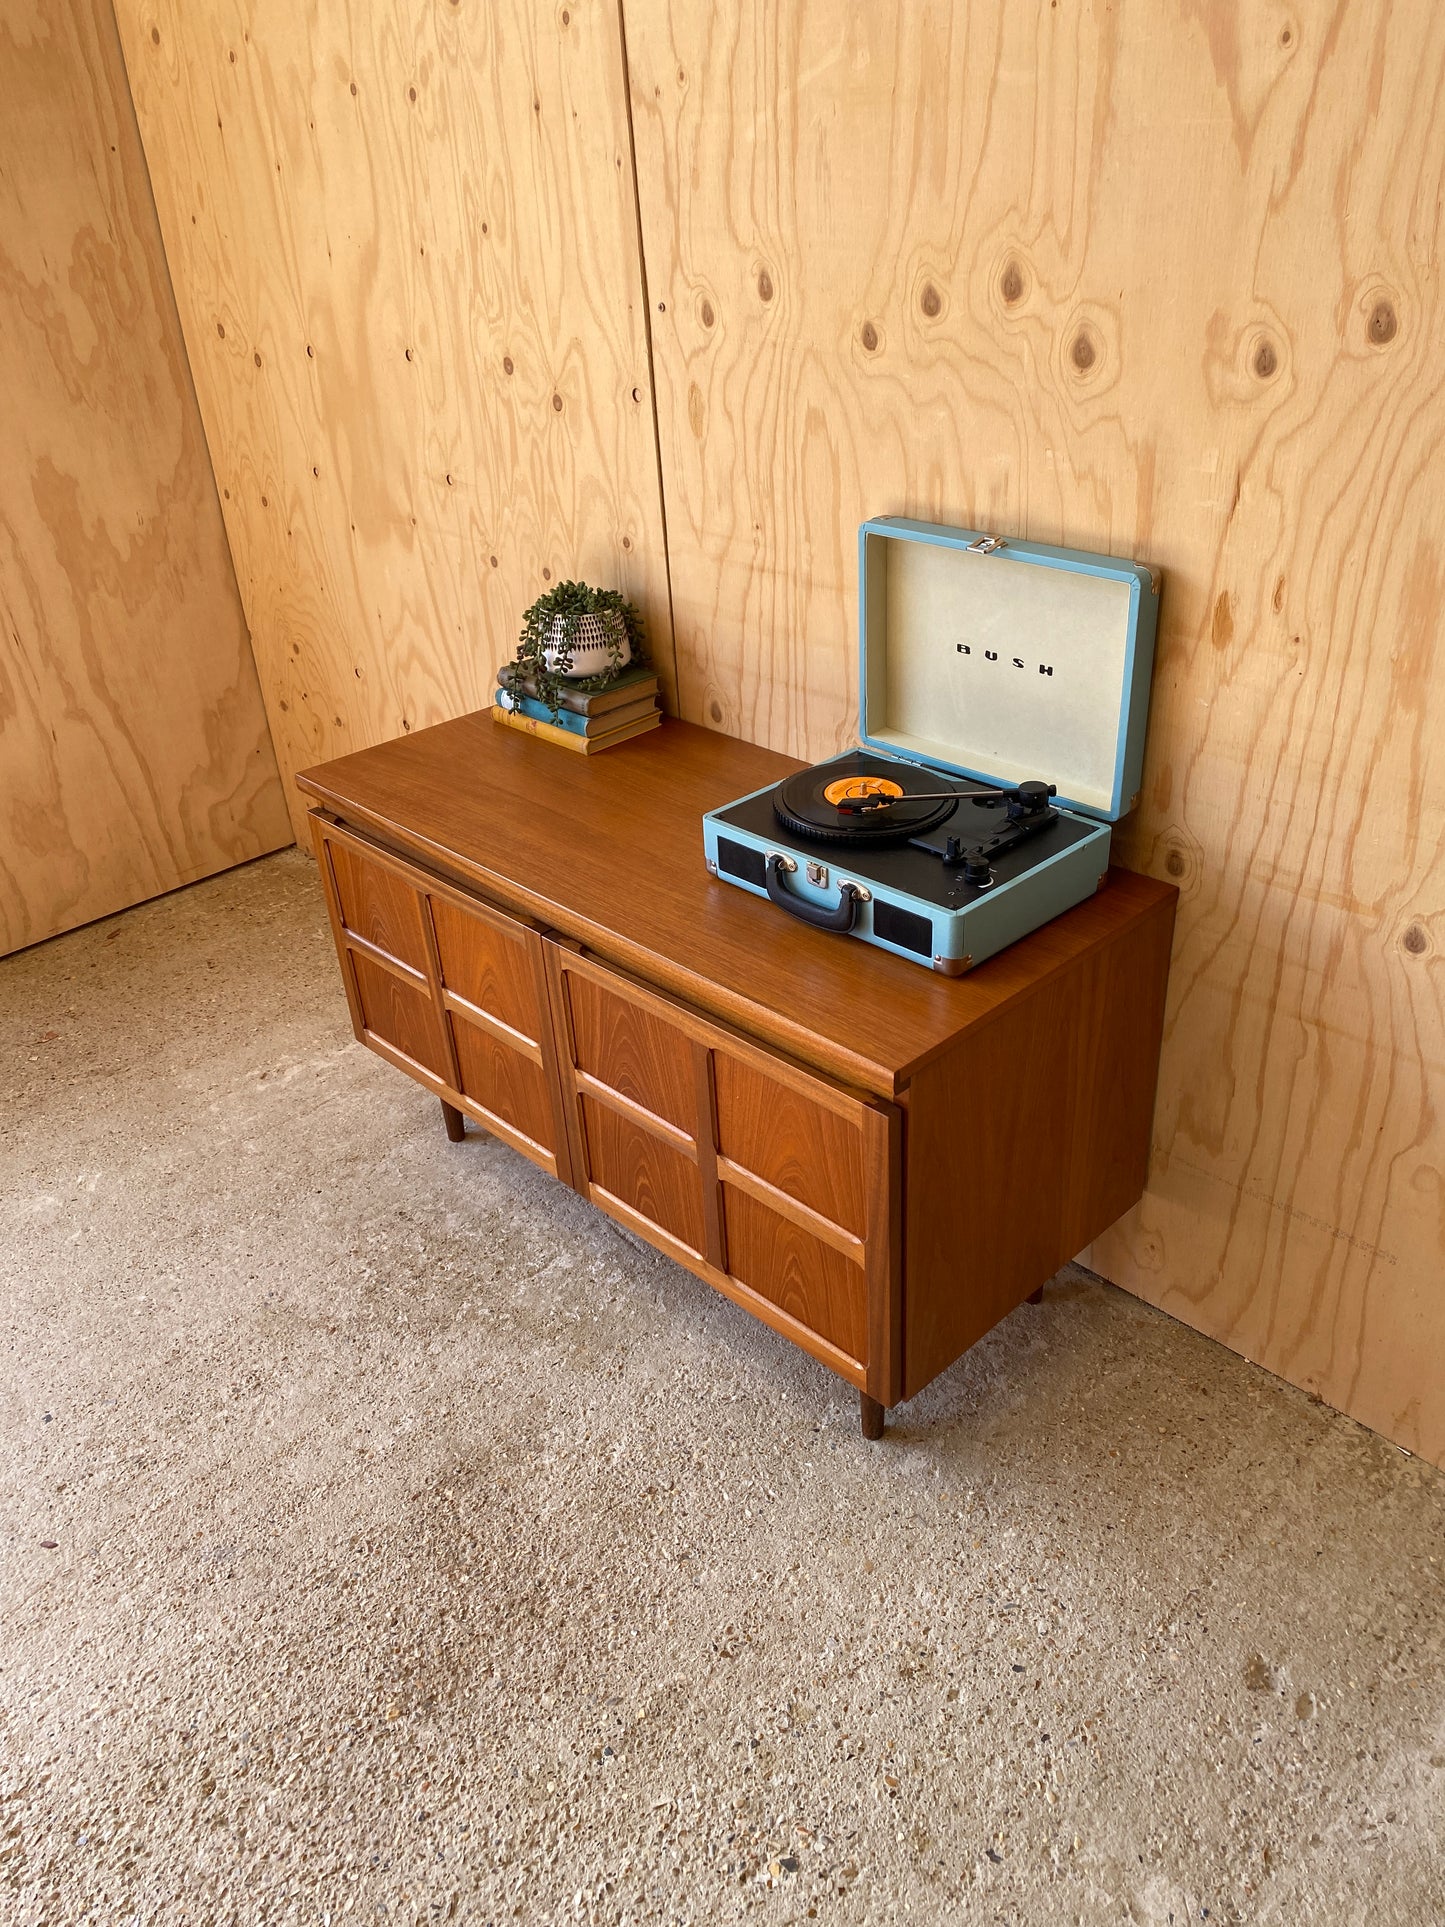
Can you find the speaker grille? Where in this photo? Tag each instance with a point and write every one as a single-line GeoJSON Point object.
{"type": "Point", "coordinates": [903, 927]}
{"type": "Point", "coordinates": [741, 861]}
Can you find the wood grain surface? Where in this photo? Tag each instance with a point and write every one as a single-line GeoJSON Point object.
{"type": "Point", "coordinates": [448, 990]}
{"type": "Point", "coordinates": [795, 1271]}
{"type": "Point", "coordinates": [405, 250]}
{"type": "Point", "coordinates": [814, 1155]}
{"type": "Point", "coordinates": [1030, 1138]}
{"type": "Point", "coordinates": [1163, 283]}
{"type": "Point", "coordinates": [134, 754]}
{"type": "Point", "coordinates": [654, 1087]}
{"type": "Point", "coordinates": [457, 795]}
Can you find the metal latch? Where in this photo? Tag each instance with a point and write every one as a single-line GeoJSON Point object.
{"type": "Point", "coordinates": [986, 545]}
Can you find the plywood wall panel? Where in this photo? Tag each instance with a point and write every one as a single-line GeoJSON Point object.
{"type": "Point", "coordinates": [1163, 283]}
{"type": "Point", "coordinates": [405, 248]}
{"type": "Point", "coordinates": [134, 754]}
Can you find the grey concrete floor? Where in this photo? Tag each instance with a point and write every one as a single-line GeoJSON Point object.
{"type": "Point", "coordinates": [385, 1537]}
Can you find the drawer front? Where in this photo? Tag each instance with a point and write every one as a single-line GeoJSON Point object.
{"type": "Point", "coordinates": [791, 1141]}
{"type": "Point", "coordinates": [379, 906]}
{"type": "Point", "coordinates": [486, 964]}
{"type": "Point", "coordinates": [773, 1183]}
{"type": "Point", "coordinates": [626, 1046]}
{"type": "Point", "coordinates": [502, 1084]}
{"type": "Point", "coordinates": [813, 1282]}
{"type": "Point", "coordinates": [451, 989]}
{"type": "Point", "coordinates": [629, 1165]}
{"type": "Point", "coordinates": [398, 1012]}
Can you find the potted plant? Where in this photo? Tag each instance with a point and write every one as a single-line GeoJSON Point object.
{"type": "Point", "coordinates": [578, 637]}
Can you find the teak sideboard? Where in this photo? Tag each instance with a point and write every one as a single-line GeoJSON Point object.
{"type": "Point", "coordinates": [878, 1162]}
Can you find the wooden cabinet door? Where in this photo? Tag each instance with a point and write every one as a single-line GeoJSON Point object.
{"type": "Point", "coordinates": [773, 1183]}
{"type": "Point", "coordinates": [450, 989]}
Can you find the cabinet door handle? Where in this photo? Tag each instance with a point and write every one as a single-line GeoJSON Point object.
{"type": "Point", "coordinates": [842, 917]}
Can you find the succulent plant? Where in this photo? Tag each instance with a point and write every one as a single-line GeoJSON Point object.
{"type": "Point", "coordinates": [571, 620]}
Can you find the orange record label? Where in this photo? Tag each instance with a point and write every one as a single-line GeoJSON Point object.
{"type": "Point", "coordinates": [851, 789]}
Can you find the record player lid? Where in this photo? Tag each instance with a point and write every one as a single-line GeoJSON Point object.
{"type": "Point", "coordinates": [1003, 660]}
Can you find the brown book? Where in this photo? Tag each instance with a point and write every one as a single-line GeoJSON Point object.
{"type": "Point", "coordinates": [579, 725]}
{"type": "Point", "coordinates": [629, 687]}
{"type": "Point", "coordinates": [566, 739]}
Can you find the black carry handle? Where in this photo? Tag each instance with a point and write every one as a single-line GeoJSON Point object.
{"type": "Point", "coordinates": [843, 918]}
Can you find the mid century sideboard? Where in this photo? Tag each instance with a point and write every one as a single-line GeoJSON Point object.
{"type": "Point", "coordinates": [878, 1162]}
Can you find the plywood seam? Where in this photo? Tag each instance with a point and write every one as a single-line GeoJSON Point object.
{"type": "Point", "coordinates": [175, 315]}
{"type": "Point", "coordinates": [647, 331]}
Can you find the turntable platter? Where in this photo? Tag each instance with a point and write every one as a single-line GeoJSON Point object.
{"type": "Point", "coordinates": [823, 803]}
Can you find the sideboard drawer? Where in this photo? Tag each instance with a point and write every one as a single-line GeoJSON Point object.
{"type": "Point", "coordinates": [649, 1178]}
{"type": "Point", "coordinates": [378, 904]}
{"type": "Point", "coordinates": [504, 1085]}
{"type": "Point", "coordinates": [785, 1136]}
{"type": "Point", "coordinates": [773, 1183]}
{"type": "Point", "coordinates": [450, 989]}
{"type": "Point", "coordinates": [396, 1015]}
{"type": "Point", "coordinates": [814, 1282]}
{"type": "Point", "coordinates": [623, 1043]}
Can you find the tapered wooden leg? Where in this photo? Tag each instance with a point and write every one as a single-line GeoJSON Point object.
{"type": "Point", "coordinates": [1036, 1297]}
{"type": "Point", "coordinates": [456, 1124]}
{"type": "Point", "coordinates": [871, 1416]}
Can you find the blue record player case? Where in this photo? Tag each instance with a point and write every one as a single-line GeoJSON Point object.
{"type": "Point", "coordinates": [990, 662]}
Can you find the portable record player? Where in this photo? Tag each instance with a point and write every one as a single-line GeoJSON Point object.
{"type": "Point", "coordinates": [1003, 693]}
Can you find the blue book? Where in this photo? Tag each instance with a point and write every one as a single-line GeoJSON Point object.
{"type": "Point", "coordinates": [569, 719]}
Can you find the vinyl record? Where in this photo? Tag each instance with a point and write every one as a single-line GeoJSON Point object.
{"type": "Point", "coordinates": [814, 802]}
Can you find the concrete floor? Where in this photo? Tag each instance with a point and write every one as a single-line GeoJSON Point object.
{"type": "Point", "coordinates": [385, 1537]}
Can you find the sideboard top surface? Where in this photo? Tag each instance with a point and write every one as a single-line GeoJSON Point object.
{"type": "Point", "coordinates": [608, 850]}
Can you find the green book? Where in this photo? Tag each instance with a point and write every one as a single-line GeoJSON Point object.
{"type": "Point", "coordinates": [592, 696]}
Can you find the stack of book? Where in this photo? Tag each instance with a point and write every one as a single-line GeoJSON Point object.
{"type": "Point", "coordinates": [591, 715]}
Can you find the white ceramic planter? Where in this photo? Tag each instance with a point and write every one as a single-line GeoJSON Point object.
{"type": "Point", "coordinates": [590, 653]}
